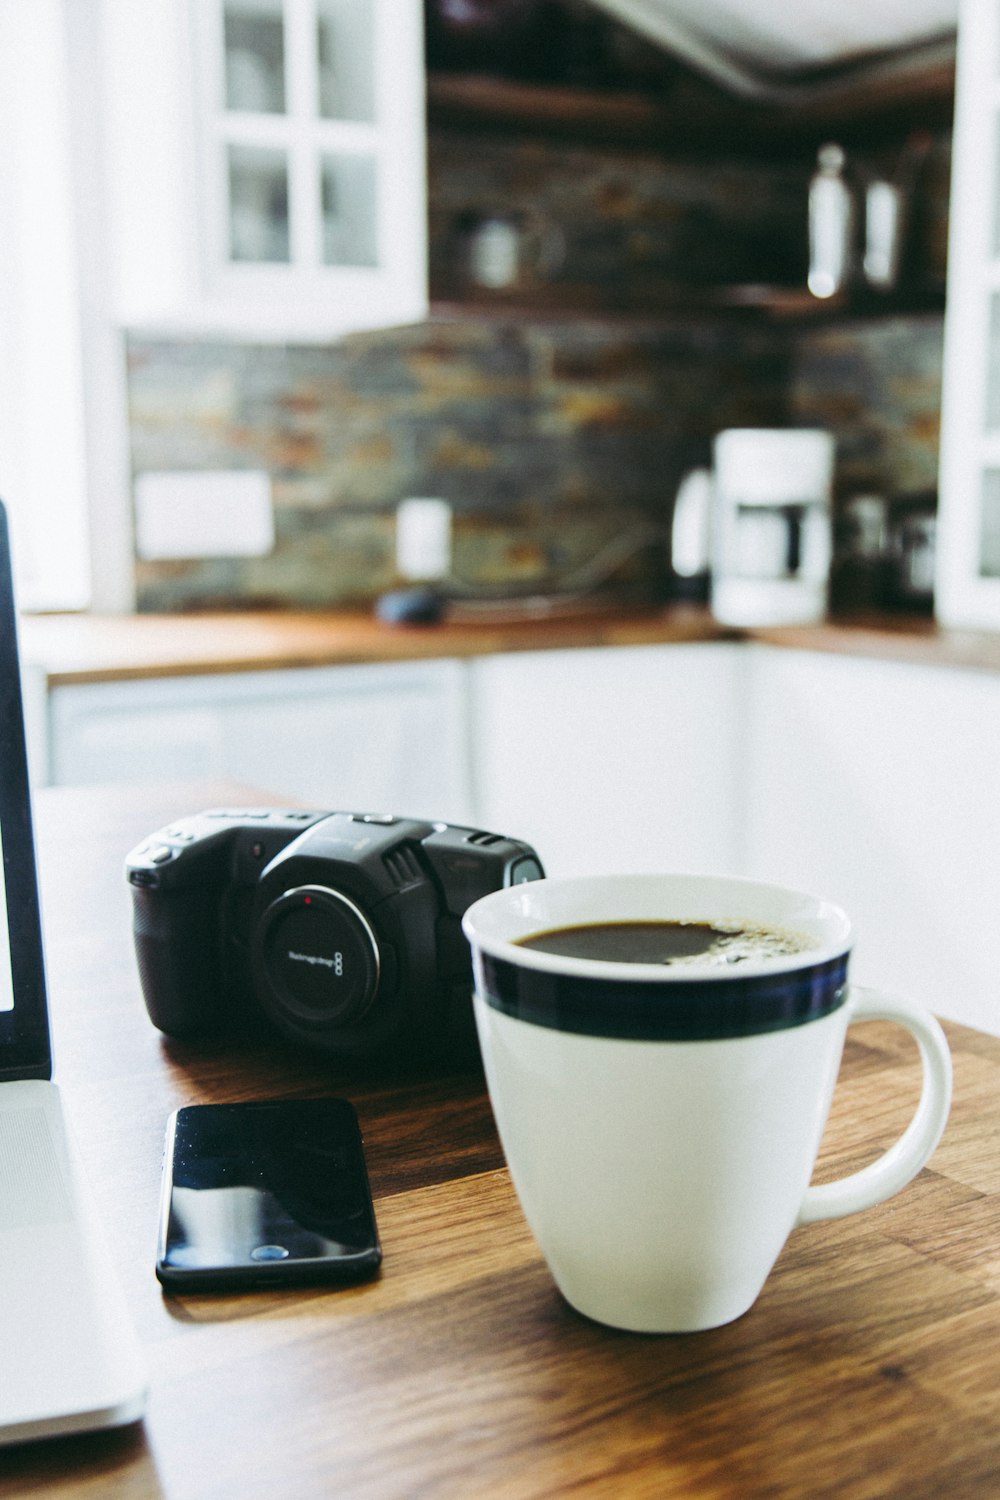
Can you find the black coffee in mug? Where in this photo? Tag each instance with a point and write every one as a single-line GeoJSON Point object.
{"type": "Point", "coordinates": [698, 944]}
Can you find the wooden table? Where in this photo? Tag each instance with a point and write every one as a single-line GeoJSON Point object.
{"type": "Point", "coordinates": [870, 1366]}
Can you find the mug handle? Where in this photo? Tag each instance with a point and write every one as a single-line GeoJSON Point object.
{"type": "Point", "coordinates": [901, 1163]}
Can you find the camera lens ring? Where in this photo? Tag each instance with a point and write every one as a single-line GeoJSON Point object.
{"type": "Point", "coordinates": [306, 1001]}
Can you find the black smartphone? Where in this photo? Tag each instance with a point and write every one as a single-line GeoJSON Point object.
{"type": "Point", "coordinates": [267, 1193]}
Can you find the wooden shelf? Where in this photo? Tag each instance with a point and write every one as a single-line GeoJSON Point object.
{"type": "Point", "coordinates": [691, 118]}
{"type": "Point", "coordinates": [797, 304]}
{"type": "Point", "coordinates": [692, 115]}
{"type": "Point", "coordinates": [785, 305]}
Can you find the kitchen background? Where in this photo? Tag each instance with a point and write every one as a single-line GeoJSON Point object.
{"type": "Point", "coordinates": [558, 412]}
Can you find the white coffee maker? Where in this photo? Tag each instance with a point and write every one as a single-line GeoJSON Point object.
{"type": "Point", "coordinates": [771, 534]}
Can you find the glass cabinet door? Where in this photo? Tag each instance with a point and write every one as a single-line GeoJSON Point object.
{"type": "Point", "coordinates": [257, 178]}
{"type": "Point", "coordinates": [254, 44]}
{"type": "Point", "coordinates": [293, 120]}
{"type": "Point", "coordinates": [349, 207]}
{"type": "Point", "coordinates": [345, 59]}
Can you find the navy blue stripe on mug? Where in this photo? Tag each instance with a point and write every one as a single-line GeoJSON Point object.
{"type": "Point", "coordinates": [694, 1010]}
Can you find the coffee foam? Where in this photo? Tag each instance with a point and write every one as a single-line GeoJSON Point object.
{"type": "Point", "coordinates": [743, 942]}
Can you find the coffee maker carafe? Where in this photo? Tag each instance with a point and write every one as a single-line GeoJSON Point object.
{"type": "Point", "coordinates": [771, 530]}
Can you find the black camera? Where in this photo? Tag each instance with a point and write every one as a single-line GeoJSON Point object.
{"type": "Point", "coordinates": [340, 930]}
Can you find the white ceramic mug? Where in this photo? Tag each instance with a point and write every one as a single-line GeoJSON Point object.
{"type": "Point", "coordinates": [661, 1124]}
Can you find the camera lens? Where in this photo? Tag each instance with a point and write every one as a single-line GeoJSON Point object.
{"type": "Point", "coordinates": [320, 957]}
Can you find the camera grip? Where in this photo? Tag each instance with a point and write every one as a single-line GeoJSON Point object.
{"type": "Point", "coordinates": [176, 948]}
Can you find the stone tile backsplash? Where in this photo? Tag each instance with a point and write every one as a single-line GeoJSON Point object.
{"type": "Point", "coordinates": [548, 439]}
{"type": "Point", "coordinates": [877, 385]}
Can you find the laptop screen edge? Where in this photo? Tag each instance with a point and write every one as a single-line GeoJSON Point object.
{"type": "Point", "coordinates": [25, 1046]}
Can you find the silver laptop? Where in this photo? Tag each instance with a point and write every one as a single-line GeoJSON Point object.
{"type": "Point", "coordinates": [69, 1358]}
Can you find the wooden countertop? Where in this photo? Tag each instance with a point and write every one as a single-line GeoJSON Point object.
{"type": "Point", "coordinates": [870, 1365]}
{"type": "Point", "coordinates": [107, 648]}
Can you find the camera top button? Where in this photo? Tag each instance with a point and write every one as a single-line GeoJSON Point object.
{"type": "Point", "coordinates": [159, 854]}
{"type": "Point", "coordinates": [253, 814]}
{"type": "Point", "coordinates": [386, 818]}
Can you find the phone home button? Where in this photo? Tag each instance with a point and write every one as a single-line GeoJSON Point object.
{"type": "Point", "coordinates": [269, 1252]}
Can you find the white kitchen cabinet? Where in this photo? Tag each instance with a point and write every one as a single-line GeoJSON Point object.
{"type": "Point", "coordinates": [967, 589]}
{"type": "Point", "coordinates": [612, 759]}
{"type": "Point", "coordinates": [266, 165]}
{"type": "Point", "coordinates": [385, 738]}
{"type": "Point", "coordinates": [877, 784]}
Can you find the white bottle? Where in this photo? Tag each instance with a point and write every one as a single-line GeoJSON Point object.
{"type": "Point", "coordinates": [831, 225]}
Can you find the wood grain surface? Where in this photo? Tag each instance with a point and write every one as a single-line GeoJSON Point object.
{"type": "Point", "coordinates": [73, 649]}
{"type": "Point", "coordinates": [869, 1367]}
{"type": "Point", "coordinates": [112, 648]}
